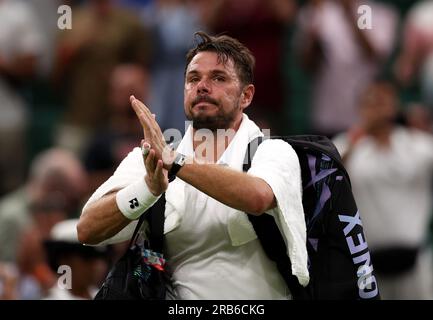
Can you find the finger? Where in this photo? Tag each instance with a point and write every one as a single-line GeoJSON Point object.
{"type": "Point", "coordinates": [164, 171]}
{"type": "Point", "coordinates": [141, 110]}
{"type": "Point", "coordinates": [149, 170]}
{"type": "Point", "coordinates": [145, 147]}
{"type": "Point", "coordinates": [158, 171]}
{"type": "Point", "coordinates": [142, 107]}
{"type": "Point", "coordinates": [150, 162]}
{"type": "Point", "coordinates": [145, 123]}
{"type": "Point", "coordinates": [148, 117]}
{"type": "Point", "coordinates": [136, 108]}
{"type": "Point", "coordinates": [142, 117]}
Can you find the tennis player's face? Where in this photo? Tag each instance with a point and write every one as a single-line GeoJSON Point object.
{"type": "Point", "coordinates": [213, 94]}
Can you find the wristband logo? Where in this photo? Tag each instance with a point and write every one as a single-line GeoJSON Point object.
{"type": "Point", "coordinates": [133, 203]}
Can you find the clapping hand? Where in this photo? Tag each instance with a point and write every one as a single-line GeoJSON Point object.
{"type": "Point", "coordinates": [152, 146]}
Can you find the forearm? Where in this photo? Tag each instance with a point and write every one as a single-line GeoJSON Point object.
{"type": "Point", "coordinates": [101, 220]}
{"type": "Point", "coordinates": [107, 216]}
{"type": "Point", "coordinates": [235, 189]}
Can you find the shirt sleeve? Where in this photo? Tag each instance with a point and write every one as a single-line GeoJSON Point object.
{"type": "Point", "coordinates": [126, 173]}
{"type": "Point", "coordinates": [277, 164]}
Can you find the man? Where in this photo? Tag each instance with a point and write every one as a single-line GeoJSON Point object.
{"type": "Point", "coordinates": [86, 263]}
{"type": "Point", "coordinates": [103, 35]}
{"type": "Point", "coordinates": [334, 46]}
{"type": "Point", "coordinates": [391, 169]}
{"type": "Point", "coordinates": [211, 246]}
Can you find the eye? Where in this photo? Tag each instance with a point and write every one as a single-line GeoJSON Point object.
{"type": "Point", "coordinates": [193, 79]}
{"type": "Point", "coordinates": [219, 78]}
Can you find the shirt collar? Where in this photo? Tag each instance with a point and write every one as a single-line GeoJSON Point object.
{"type": "Point", "coordinates": [234, 154]}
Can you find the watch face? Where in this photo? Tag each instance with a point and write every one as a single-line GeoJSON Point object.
{"type": "Point", "coordinates": [182, 160]}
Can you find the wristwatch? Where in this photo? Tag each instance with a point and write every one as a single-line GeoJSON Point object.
{"type": "Point", "coordinates": [178, 163]}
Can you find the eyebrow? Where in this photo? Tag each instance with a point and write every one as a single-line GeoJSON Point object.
{"type": "Point", "coordinates": [192, 72]}
{"type": "Point", "coordinates": [219, 72]}
{"type": "Point", "coordinates": [213, 72]}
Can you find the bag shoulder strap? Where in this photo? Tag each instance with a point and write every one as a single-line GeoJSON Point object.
{"type": "Point", "coordinates": [271, 238]}
{"type": "Point", "coordinates": [137, 228]}
{"type": "Point", "coordinates": [155, 216]}
{"type": "Point", "coordinates": [251, 150]}
{"type": "Point", "coordinates": [156, 220]}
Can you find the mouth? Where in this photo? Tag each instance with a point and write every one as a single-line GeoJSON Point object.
{"type": "Point", "coordinates": [204, 105]}
{"type": "Point", "coordinates": [204, 102]}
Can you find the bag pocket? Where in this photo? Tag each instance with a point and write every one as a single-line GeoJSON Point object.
{"type": "Point", "coordinates": [131, 278]}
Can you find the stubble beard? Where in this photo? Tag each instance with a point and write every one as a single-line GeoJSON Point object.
{"type": "Point", "coordinates": [221, 120]}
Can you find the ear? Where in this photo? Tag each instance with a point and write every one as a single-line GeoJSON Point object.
{"type": "Point", "coordinates": [247, 96]}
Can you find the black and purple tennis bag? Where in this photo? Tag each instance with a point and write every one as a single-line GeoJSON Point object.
{"type": "Point", "coordinates": [339, 260]}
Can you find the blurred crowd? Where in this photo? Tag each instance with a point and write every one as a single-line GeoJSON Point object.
{"type": "Point", "coordinates": [361, 77]}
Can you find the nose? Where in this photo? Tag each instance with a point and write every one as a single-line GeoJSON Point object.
{"type": "Point", "coordinates": [203, 87]}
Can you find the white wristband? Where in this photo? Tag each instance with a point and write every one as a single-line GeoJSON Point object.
{"type": "Point", "coordinates": [134, 199]}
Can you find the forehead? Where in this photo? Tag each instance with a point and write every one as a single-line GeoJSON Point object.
{"type": "Point", "coordinates": [208, 61]}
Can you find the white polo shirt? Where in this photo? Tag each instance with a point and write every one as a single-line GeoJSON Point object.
{"type": "Point", "coordinates": [212, 249]}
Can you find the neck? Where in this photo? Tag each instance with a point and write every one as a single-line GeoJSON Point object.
{"type": "Point", "coordinates": [210, 145]}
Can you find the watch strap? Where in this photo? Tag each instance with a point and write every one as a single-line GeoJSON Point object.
{"type": "Point", "coordinates": [178, 163]}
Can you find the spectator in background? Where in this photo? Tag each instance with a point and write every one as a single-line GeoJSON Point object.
{"type": "Point", "coordinates": [35, 273]}
{"type": "Point", "coordinates": [46, 14]}
{"type": "Point", "coordinates": [261, 26]}
{"type": "Point", "coordinates": [342, 58]}
{"type": "Point", "coordinates": [112, 142]}
{"type": "Point", "coordinates": [172, 23]}
{"type": "Point", "coordinates": [85, 262]}
{"type": "Point", "coordinates": [415, 62]}
{"type": "Point", "coordinates": [102, 36]}
{"type": "Point", "coordinates": [21, 43]}
{"type": "Point", "coordinates": [391, 169]}
{"type": "Point", "coordinates": [45, 169]}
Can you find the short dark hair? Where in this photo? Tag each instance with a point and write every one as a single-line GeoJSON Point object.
{"type": "Point", "coordinates": [226, 48]}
